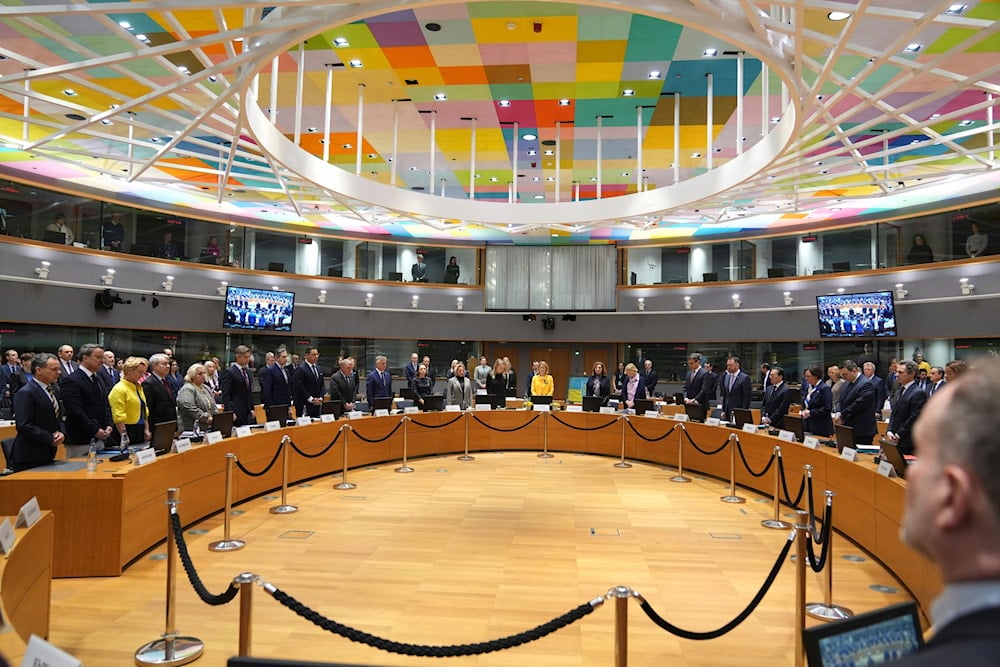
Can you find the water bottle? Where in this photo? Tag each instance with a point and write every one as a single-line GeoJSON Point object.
{"type": "Point", "coordinates": [92, 458]}
{"type": "Point", "coordinates": [197, 428]}
{"type": "Point", "coordinates": [125, 446]}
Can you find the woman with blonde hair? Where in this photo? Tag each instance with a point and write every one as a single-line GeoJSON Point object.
{"type": "Point", "coordinates": [542, 383]}
{"type": "Point", "coordinates": [129, 410]}
{"type": "Point", "coordinates": [633, 388]}
{"type": "Point", "coordinates": [195, 401]}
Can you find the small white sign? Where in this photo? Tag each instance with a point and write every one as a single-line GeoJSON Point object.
{"type": "Point", "coordinates": [849, 454]}
{"type": "Point", "coordinates": [885, 469]}
{"type": "Point", "coordinates": [542, 408]}
{"type": "Point", "coordinates": [328, 417]}
{"type": "Point", "coordinates": [712, 421]}
{"type": "Point", "coordinates": [382, 413]}
{"type": "Point", "coordinates": [411, 410]}
{"type": "Point", "coordinates": [574, 408]}
{"type": "Point", "coordinates": [6, 422]}
{"type": "Point", "coordinates": [242, 431]}
{"type": "Point", "coordinates": [811, 441]}
{"type": "Point", "coordinates": [452, 408]}
{"type": "Point", "coordinates": [653, 413]}
{"type": "Point", "coordinates": [484, 407]}
{"type": "Point", "coordinates": [786, 436]}
{"type": "Point", "coordinates": [182, 445]}
{"type": "Point", "coordinates": [272, 426]}
{"type": "Point", "coordinates": [145, 456]}
{"type": "Point", "coordinates": [6, 536]}
{"type": "Point", "coordinates": [303, 421]}
{"type": "Point", "coordinates": [749, 428]}
{"type": "Point", "coordinates": [679, 416]}
{"type": "Point", "coordinates": [213, 437]}
{"type": "Point", "coordinates": [355, 414]}
{"type": "Point", "coordinates": [40, 652]}
{"type": "Point", "coordinates": [607, 410]}
{"type": "Point", "coordinates": [29, 514]}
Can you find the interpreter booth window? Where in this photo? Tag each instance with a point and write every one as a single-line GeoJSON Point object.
{"type": "Point", "coordinates": [550, 277]}
{"type": "Point", "coordinates": [274, 252]}
{"type": "Point", "coordinates": [397, 354]}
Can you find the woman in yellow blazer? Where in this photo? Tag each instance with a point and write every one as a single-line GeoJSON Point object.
{"type": "Point", "coordinates": [129, 410]}
{"type": "Point", "coordinates": [541, 383]}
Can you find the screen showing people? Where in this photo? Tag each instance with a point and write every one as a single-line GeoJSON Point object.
{"type": "Point", "coordinates": [863, 315]}
{"type": "Point", "coordinates": [249, 308]}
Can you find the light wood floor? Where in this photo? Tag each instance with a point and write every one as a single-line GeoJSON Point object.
{"type": "Point", "coordinates": [461, 552]}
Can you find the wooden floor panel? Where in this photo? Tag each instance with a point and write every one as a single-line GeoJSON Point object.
{"type": "Point", "coordinates": [462, 552]}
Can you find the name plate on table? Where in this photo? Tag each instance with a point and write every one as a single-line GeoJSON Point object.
{"type": "Point", "coordinates": [6, 536]}
{"type": "Point", "coordinates": [653, 413]}
{"type": "Point", "coordinates": [408, 410]}
{"type": "Point", "coordinates": [749, 428]}
{"type": "Point", "coordinates": [355, 414]}
{"type": "Point", "coordinates": [303, 421]}
{"type": "Point", "coordinates": [542, 408]}
{"type": "Point", "coordinates": [327, 418]}
{"type": "Point", "coordinates": [272, 426]}
{"type": "Point", "coordinates": [574, 408]}
{"type": "Point", "coordinates": [213, 437]}
{"type": "Point", "coordinates": [145, 456]}
{"type": "Point", "coordinates": [241, 431]}
{"type": "Point", "coordinates": [29, 514]}
{"type": "Point", "coordinates": [452, 408]}
{"type": "Point", "coordinates": [811, 441]}
{"type": "Point", "coordinates": [484, 407]}
{"type": "Point", "coordinates": [786, 436]}
{"type": "Point", "coordinates": [182, 444]}
{"type": "Point", "coordinates": [849, 454]}
{"type": "Point", "coordinates": [679, 416]}
{"type": "Point", "coordinates": [382, 412]}
{"type": "Point", "coordinates": [712, 421]}
{"type": "Point", "coordinates": [607, 410]}
{"type": "Point", "coordinates": [884, 468]}
{"type": "Point", "coordinates": [6, 422]}
{"type": "Point", "coordinates": [40, 652]}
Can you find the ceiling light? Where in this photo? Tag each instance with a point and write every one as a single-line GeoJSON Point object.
{"type": "Point", "coordinates": [440, 97]}
{"type": "Point", "coordinates": [535, 179]}
{"type": "Point", "coordinates": [311, 129]}
{"type": "Point", "coordinates": [964, 284]}
{"type": "Point", "coordinates": [913, 48]}
{"type": "Point", "coordinates": [541, 197]}
{"type": "Point", "coordinates": [221, 289]}
{"type": "Point", "coordinates": [529, 136]}
{"type": "Point", "coordinates": [640, 304]}
{"type": "Point", "coordinates": [414, 168]}
{"type": "Point", "coordinates": [954, 10]}
{"type": "Point", "coordinates": [346, 145]}
{"type": "Point", "coordinates": [624, 173]}
{"type": "Point", "coordinates": [695, 154]}
{"type": "Point", "coordinates": [42, 271]}
{"type": "Point", "coordinates": [369, 299]}
{"type": "Point", "coordinates": [493, 179]}
{"type": "Point", "coordinates": [775, 119]}
{"type": "Point", "coordinates": [183, 69]}
{"type": "Point", "coordinates": [69, 92]}
{"type": "Point", "coordinates": [355, 63]}
{"type": "Point", "coordinates": [965, 123]}
{"type": "Point", "coordinates": [840, 290]}
{"type": "Point", "coordinates": [168, 284]}
{"type": "Point", "coordinates": [322, 296]}
{"type": "Point", "coordinates": [340, 42]}
{"type": "Point", "coordinates": [838, 16]}
{"type": "Point", "coordinates": [504, 103]}
{"type": "Point", "coordinates": [142, 38]}
{"type": "Point", "coordinates": [564, 102]}
{"type": "Point", "coordinates": [710, 53]}
{"type": "Point", "coordinates": [532, 152]}
{"type": "Point", "coordinates": [128, 26]}
{"type": "Point", "coordinates": [108, 278]}
{"type": "Point", "coordinates": [687, 303]}
{"type": "Point", "coordinates": [415, 301]}
{"type": "Point", "coordinates": [900, 291]}
{"type": "Point", "coordinates": [788, 298]}
{"type": "Point", "coordinates": [736, 301]}
{"type": "Point", "coordinates": [654, 74]}
{"type": "Point", "coordinates": [548, 151]}
{"type": "Point", "coordinates": [628, 92]}
{"type": "Point", "coordinates": [459, 303]}
{"type": "Point", "coordinates": [550, 178]}
{"type": "Point", "coordinates": [105, 121]}
{"type": "Point", "coordinates": [593, 178]}
{"type": "Point", "coordinates": [372, 156]}
{"type": "Point", "coordinates": [213, 79]}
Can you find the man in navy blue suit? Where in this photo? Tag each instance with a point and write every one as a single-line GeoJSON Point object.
{"type": "Point", "coordinates": [378, 384]}
{"type": "Point", "coordinates": [88, 415]}
{"type": "Point", "coordinates": [735, 388]}
{"type": "Point", "coordinates": [235, 382]}
{"type": "Point", "coordinates": [909, 403]}
{"type": "Point", "coordinates": [307, 386]}
{"type": "Point", "coordinates": [38, 413]}
{"type": "Point", "coordinates": [817, 403]}
{"type": "Point", "coordinates": [857, 404]}
{"type": "Point", "coordinates": [881, 393]}
{"type": "Point", "coordinates": [777, 398]}
{"type": "Point", "coordinates": [275, 385]}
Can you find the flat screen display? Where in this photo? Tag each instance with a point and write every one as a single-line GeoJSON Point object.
{"type": "Point", "coordinates": [258, 309]}
{"type": "Point", "coordinates": [861, 315]}
{"type": "Point", "coordinates": [872, 638]}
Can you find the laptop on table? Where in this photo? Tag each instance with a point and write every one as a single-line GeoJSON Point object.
{"type": "Point", "coordinates": [892, 454]}
{"type": "Point", "coordinates": [541, 400]}
{"type": "Point", "coordinates": [382, 403]}
{"type": "Point", "coordinates": [335, 408]}
{"type": "Point", "coordinates": [793, 423]}
{"type": "Point", "coordinates": [163, 437]}
{"type": "Point", "coordinates": [742, 416]}
{"type": "Point", "coordinates": [695, 413]}
{"type": "Point", "coordinates": [592, 403]}
{"type": "Point", "coordinates": [490, 399]}
{"type": "Point", "coordinates": [223, 423]}
{"type": "Point", "coordinates": [433, 403]}
{"type": "Point", "coordinates": [277, 413]}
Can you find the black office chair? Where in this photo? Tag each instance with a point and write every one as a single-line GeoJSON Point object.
{"type": "Point", "coordinates": [840, 267]}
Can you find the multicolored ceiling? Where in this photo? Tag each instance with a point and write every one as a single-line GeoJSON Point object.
{"type": "Point", "coordinates": [888, 107]}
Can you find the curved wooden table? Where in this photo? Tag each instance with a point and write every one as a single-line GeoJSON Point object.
{"type": "Point", "coordinates": [26, 587]}
{"type": "Point", "coordinates": [105, 520]}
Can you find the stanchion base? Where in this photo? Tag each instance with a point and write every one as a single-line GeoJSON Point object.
{"type": "Point", "coordinates": [545, 455]}
{"type": "Point", "coordinates": [185, 650]}
{"type": "Point", "coordinates": [404, 469]}
{"type": "Point", "coordinates": [284, 509]}
{"type": "Point", "coordinates": [733, 499]}
{"type": "Point", "coordinates": [622, 464]}
{"type": "Point", "coordinates": [466, 457]}
{"type": "Point", "coordinates": [680, 479]}
{"type": "Point", "coordinates": [771, 523]}
{"type": "Point", "coordinates": [345, 486]}
{"type": "Point", "coordinates": [227, 545]}
{"type": "Point", "coordinates": [823, 612]}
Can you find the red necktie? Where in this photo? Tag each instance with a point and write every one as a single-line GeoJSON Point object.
{"type": "Point", "coordinates": [166, 385]}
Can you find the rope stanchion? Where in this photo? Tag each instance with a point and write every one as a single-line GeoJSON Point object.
{"type": "Point", "coordinates": [245, 582]}
{"type": "Point", "coordinates": [707, 452]}
{"type": "Point", "coordinates": [508, 430]}
{"type": "Point", "coordinates": [826, 610]}
{"type": "Point", "coordinates": [344, 484]}
{"type": "Point", "coordinates": [317, 454]}
{"type": "Point", "coordinates": [775, 521]}
{"type": "Point", "coordinates": [465, 456]}
{"type": "Point", "coordinates": [732, 497]}
{"type": "Point", "coordinates": [227, 544]}
{"type": "Point", "coordinates": [622, 463]}
{"type": "Point", "coordinates": [784, 487]}
{"type": "Point", "coordinates": [267, 468]}
{"type": "Point", "coordinates": [641, 436]}
{"type": "Point", "coordinates": [680, 477]}
{"type": "Point", "coordinates": [545, 437]}
{"type": "Point", "coordinates": [284, 507]}
{"type": "Point", "coordinates": [583, 428]}
{"type": "Point", "coordinates": [746, 464]}
{"type": "Point", "coordinates": [377, 440]}
{"type": "Point", "coordinates": [416, 423]}
{"type": "Point", "coordinates": [801, 535]}
{"type": "Point", "coordinates": [404, 468]}
{"type": "Point", "coordinates": [621, 595]}
{"type": "Point", "coordinates": [170, 649]}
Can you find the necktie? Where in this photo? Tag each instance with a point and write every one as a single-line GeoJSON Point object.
{"type": "Point", "coordinates": [732, 380]}
{"type": "Point", "coordinates": [284, 374]}
{"type": "Point", "coordinates": [246, 377]}
{"type": "Point", "coordinates": [55, 401]}
{"type": "Point", "coordinates": [166, 387]}
{"type": "Point", "coordinates": [315, 372]}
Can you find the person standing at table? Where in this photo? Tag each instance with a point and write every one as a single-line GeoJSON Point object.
{"type": "Point", "coordinates": [343, 386]}
{"type": "Point", "coordinates": [736, 390]}
{"type": "Point", "coordinates": [195, 403]}
{"type": "Point", "coordinates": [38, 416]}
{"type": "Point", "coordinates": [482, 374]}
{"type": "Point", "coordinates": [160, 397]}
{"type": "Point", "coordinates": [460, 389]}
{"type": "Point", "coordinates": [307, 386]}
{"type": "Point", "coordinates": [907, 407]}
{"type": "Point", "coordinates": [128, 402]}
{"type": "Point", "coordinates": [452, 271]}
{"type": "Point", "coordinates": [777, 398]}
{"type": "Point", "coordinates": [633, 388]}
{"type": "Point", "coordinates": [276, 385]}
{"type": "Point", "coordinates": [378, 384]}
{"type": "Point", "coordinates": [235, 382]}
{"type": "Point", "coordinates": [419, 270]}
{"type": "Point", "coordinates": [88, 415]}
{"type": "Point", "coordinates": [542, 383]}
{"type": "Point", "coordinates": [817, 403]}
{"type": "Point", "coordinates": [422, 385]}
{"type": "Point", "coordinates": [857, 404]}
{"type": "Point", "coordinates": [496, 384]}
{"type": "Point", "coordinates": [599, 384]}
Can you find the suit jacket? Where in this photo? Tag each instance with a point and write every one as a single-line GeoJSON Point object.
{"type": "Point", "coordinates": [36, 422]}
{"type": "Point", "coordinates": [5, 377]}
{"type": "Point", "coordinates": [162, 404]}
{"type": "Point", "coordinates": [236, 395]}
{"type": "Point", "coordinates": [711, 388]}
{"type": "Point", "coordinates": [820, 406]}
{"type": "Point", "coordinates": [908, 405]}
{"type": "Point", "coordinates": [777, 398]}
{"type": "Point", "coordinates": [836, 389]}
{"type": "Point", "coordinates": [86, 404]}
{"type": "Point", "coordinates": [936, 387]}
{"type": "Point", "coordinates": [275, 389]}
{"type": "Point", "coordinates": [379, 385]}
{"type": "Point", "coordinates": [62, 367]}
{"type": "Point", "coordinates": [110, 376]}
{"type": "Point", "coordinates": [881, 391]}
{"type": "Point", "coordinates": [511, 381]}
{"type": "Point", "coordinates": [342, 388]}
{"type": "Point", "coordinates": [411, 372]}
{"type": "Point", "coordinates": [738, 396]}
{"type": "Point", "coordinates": [857, 409]}
{"type": "Point", "coordinates": [306, 383]}
{"type": "Point", "coordinates": [971, 640]}
{"type": "Point", "coordinates": [694, 386]}
{"type": "Point", "coordinates": [640, 392]}
{"type": "Point", "coordinates": [649, 381]}
{"type": "Point", "coordinates": [603, 388]}
{"type": "Point", "coordinates": [460, 394]}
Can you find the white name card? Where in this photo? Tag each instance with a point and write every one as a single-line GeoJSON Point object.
{"type": "Point", "coordinates": [303, 421]}
{"type": "Point", "coordinates": [6, 422]}
{"type": "Point", "coordinates": [409, 410]}
{"type": "Point", "coordinates": [145, 456]}
{"type": "Point", "coordinates": [484, 407]}
{"type": "Point", "coordinates": [653, 413]}
{"type": "Point", "coordinates": [40, 653]}
{"type": "Point", "coordinates": [679, 416]}
{"type": "Point", "coordinates": [542, 408]}
{"type": "Point", "coordinates": [272, 426]}
{"type": "Point", "coordinates": [241, 431]}
{"type": "Point", "coordinates": [786, 436]}
{"type": "Point", "coordinates": [849, 454]}
{"type": "Point", "coordinates": [355, 414]}
{"type": "Point", "coordinates": [885, 469]}
{"type": "Point", "coordinates": [749, 428]}
{"type": "Point", "coordinates": [213, 437]}
{"type": "Point", "coordinates": [6, 536]}
{"type": "Point", "coordinates": [382, 413]}
{"type": "Point", "coordinates": [328, 417]}
{"type": "Point", "coordinates": [607, 410]}
{"type": "Point", "coordinates": [182, 445]}
{"type": "Point", "coordinates": [811, 441]}
{"type": "Point", "coordinates": [712, 421]}
{"type": "Point", "coordinates": [574, 408]}
{"type": "Point", "coordinates": [452, 408]}
{"type": "Point", "coordinates": [29, 514]}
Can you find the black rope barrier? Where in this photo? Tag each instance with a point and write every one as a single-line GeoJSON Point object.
{"type": "Point", "coordinates": [818, 564]}
{"type": "Point", "coordinates": [817, 535]}
{"type": "Point", "coordinates": [704, 451]}
{"type": "Point", "coordinates": [632, 426]}
{"type": "Point", "coordinates": [583, 428]}
{"type": "Point", "coordinates": [713, 634]}
{"type": "Point", "coordinates": [746, 464]}
{"type": "Point", "coordinates": [206, 597]}
{"type": "Point", "coordinates": [508, 430]}
{"type": "Point", "coordinates": [383, 439]}
{"type": "Point", "coordinates": [270, 465]}
{"type": "Point", "coordinates": [784, 488]}
{"type": "Point", "coordinates": [424, 650]}
{"type": "Point", "coordinates": [317, 454]}
{"type": "Point", "coordinates": [438, 425]}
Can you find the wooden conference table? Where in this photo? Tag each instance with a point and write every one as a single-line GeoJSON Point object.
{"type": "Point", "coordinates": [105, 520]}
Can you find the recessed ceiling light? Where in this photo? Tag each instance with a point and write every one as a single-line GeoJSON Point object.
{"type": "Point", "coordinates": [710, 53]}
{"type": "Point", "coordinates": [695, 154]}
{"type": "Point", "coordinates": [69, 92]}
{"type": "Point", "coordinates": [372, 156]}
{"type": "Point", "coordinates": [532, 152]}
{"type": "Point", "coordinates": [956, 9]}
{"type": "Point", "coordinates": [535, 179]}
{"type": "Point", "coordinates": [213, 79]}
{"type": "Point", "coordinates": [541, 197]}
{"type": "Point", "coordinates": [593, 178]}
{"type": "Point", "coordinates": [503, 103]}
{"type": "Point", "coordinates": [654, 74]}
{"type": "Point", "coordinates": [913, 48]}
{"type": "Point", "coordinates": [155, 140]}
{"type": "Point", "coordinates": [834, 210]}
{"type": "Point", "coordinates": [624, 173]}
{"type": "Point", "coordinates": [564, 102]}
{"type": "Point", "coordinates": [142, 38]}
{"type": "Point", "coordinates": [183, 69]}
{"type": "Point", "coordinates": [414, 168]}
{"type": "Point", "coordinates": [341, 42]}
{"type": "Point", "coordinates": [346, 145]}
{"type": "Point", "coordinates": [935, 115]}
{"type": "Point", "coordinates": [355, 63]}
{"type": "Point", "coordinates": [310, 129]}
{"type": "Point", "coordinates": [126, 25]}
{"type": "Point", "coordinates": [838, 16]}
{"type": "Point", "coordinates": [628, 92]}
{"type": "Point", "coordinates": [493, 179]}
{"type": "Point", "coordinates": [965, 123]}
{"type": "Point", "coordinates": [550, 179]}
{"type": "Point", "coordinates": [529, 136]}
{"type": "Point", "coordinates": [775, 119]}
{"type": "Point", "coordinates": [548, 151]}
{"type": "Point", "coordinates": [105, 122]}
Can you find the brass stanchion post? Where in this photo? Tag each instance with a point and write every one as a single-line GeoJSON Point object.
{"type": "Point", "coordinates": [801, 535]}
{"type": "Point", "coordinates": [245, 581]}
{"type": "Point", "coordinates": [776, 521]}
{"type": "Point", "coordinates": [621, 594]}
{"type": "Point", "coordinates": [344, 484]}
{"type": "Point", "coordinates": [404, 467]}
{"type": "Point", "coordinates": [826, 610]}
{"type": "Point", "coordinates": [732, 497]}
{"type": "Point", "coordinates": [545, 437]}
{"type": "Point", "coordinates": [680, 477]}
{"type": "Point", "coordinates": [227, 544]}
{"type": "Point", "coordinates": [170, 649]}
{"type": "Point", "coordinates": [284, 507]}
{"type": "Point", "coordinates": [465, 456]}
{"type": "Point", "coordinates": [622, 463]}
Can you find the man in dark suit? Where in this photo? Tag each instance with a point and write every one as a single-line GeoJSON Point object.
{"type": "Point", "coordinates": [736, 388]}
{"type": "Point", "coordinates": [161, 401]}
{"type": "Point", "coordinates": [378, 384]}
{"type": "Point", "coordinates": [817, 403]}
{"type": "Point", "coordinates": [84, 394]}
{"type": "Point", "coordinates": [711, 384]}
{"type": "Point", "coordinates": [419, 270]}
{"type": "Point", "coordinates": [66, 363]}
{"type": "Point", "coordinates": [952, 517]}
{"type": "Point", "coordinates": [857, 404]}
{"type": "Point", "coordinates": [108, 370]}
{"type": "Point", "coordinates": [307, 386]}
{"type": "Point", "coordinates": [694, 383]}
{"type": "Point", "coordinates": [342, 385]}
{"type": "Point", "coordinates": [11, 367]}
{"type": "Point", "coordinates": [411, 369]}
{"type": "Point", "coordinates": [908, 406]}
{"type": "Point", "coordinates": [880, 389]}
{"type": "Point", "coordinates": [648, 377]}
{"type": "Point", "coordinates": [275, 383]}
{"type": "Point", "coordinates": [937, 381]}
{"type": "Point", "coordinates": [235, 382]}
{"type": "Point", "coordinates": [777, 398]}
{"type": "Point", "coordinates": [38, 412]}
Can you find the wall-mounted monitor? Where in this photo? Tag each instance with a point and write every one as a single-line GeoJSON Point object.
{"type": "Point", "coordinates": [258, 309]}
{"type": "Point", "coordinates": [861, 315]}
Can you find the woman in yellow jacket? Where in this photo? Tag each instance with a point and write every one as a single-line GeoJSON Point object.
{"type": "Point", "coordinates": [541, 383]}
{"type": "Point", "coordinates": [129, 410]}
